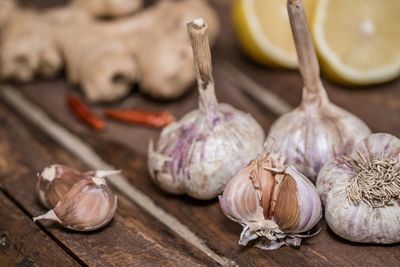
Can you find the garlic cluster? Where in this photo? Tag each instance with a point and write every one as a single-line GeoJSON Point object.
{"type": "Point", "coordinates": [273, 202]}
{"type": "Point", "coordinates": [200, 153]}
{"type": "Point", "coordinates": [316, 131]}
{"type": "Point", "coordinates": [80, 201]}
{"type": "Point", "coordinates": [361, 191]}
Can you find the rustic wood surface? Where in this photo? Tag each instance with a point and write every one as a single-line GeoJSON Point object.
{"type": "Point", "coordinates": [135, 237]}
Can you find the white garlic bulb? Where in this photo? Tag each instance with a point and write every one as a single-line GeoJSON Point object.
{"type": "Point", "coordinates": [316, 131]}
{"type": "Point", "coordinates": [200, 153]}
{"type": "Point", "coordinates": [89, 205]}
{"type": "Point", "coordinates": [361, 192]}
{"type": "Point", "coordinates": [274, 203]}
{"type": "Point", "coordinates": [56, 180]}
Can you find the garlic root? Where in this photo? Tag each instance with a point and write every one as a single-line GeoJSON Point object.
{"type": "Point", "coordinates": [360, 191]}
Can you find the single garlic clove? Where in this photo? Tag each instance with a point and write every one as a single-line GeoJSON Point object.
{"type": "Point", "coordinates": [56, 180]}
{"type": "Point", "coordinates": [361, 191]}
{"type": "Point", "coordinates": [88, 205]}
{"type": "Point", "coordinates": [273, 203]}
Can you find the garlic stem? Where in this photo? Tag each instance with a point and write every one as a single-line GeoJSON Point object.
{"type": "Point", "coordinates": [308, 62]}
{"type": "Point", "coordinates": [198, 33]}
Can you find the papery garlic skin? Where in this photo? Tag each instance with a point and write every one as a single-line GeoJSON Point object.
{"type": "Point", "coordinates": [361, 220]}
{"type": "Point", "coordinates": [272, 202]}
{"type": "Point", "coordinates": [56, 180]}
{"type": "Point", "coordinates": [315, 133]}
{"type": "Point", "coordinates": [89, 205]}
{"type": "Point", "coordinates": [195, 158]}
{"type": "Point", "coordinates": [200, 153]}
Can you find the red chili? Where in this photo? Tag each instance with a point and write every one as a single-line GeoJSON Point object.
{"type": "Point", "coordinates": [153, 119]}
{"type": "Point", "coordinates": [83, 113]}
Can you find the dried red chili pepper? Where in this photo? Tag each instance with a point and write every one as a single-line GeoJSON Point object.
{"type": "Point", "coordinates": [153, 119]}
{"type": "Point", "coordinates": [83, 113]}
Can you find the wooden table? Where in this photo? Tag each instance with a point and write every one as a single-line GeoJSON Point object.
{"type": "Point", "coordinates": [152, 228]}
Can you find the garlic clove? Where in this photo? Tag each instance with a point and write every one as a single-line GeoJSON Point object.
{"type": "Point", "coordinates": [88, 205]}
{"type": "Point", "coordinates": [286, 210]}
{"type": "Point", "coordinates": [56, 180]}
{"type": "Point", "coordinates": [361, 191]}
{"type": "Point", "coordinates": [272, 202]}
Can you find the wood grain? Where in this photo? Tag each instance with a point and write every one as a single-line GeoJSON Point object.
{"type": "Point", "coordinates": [125, 147]}
{"type": "Point", "coordinates": [24, 243]}
{"type": "Point", "coordinates": [133, 237]}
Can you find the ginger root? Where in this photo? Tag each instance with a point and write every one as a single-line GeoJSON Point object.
{"type": "Point", "coordinates": [109, 8]}
{"type": "Point", "coordinates": [105, 58]}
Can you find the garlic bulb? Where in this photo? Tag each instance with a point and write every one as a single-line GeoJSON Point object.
{"type": "Point", "coordinates": [200, 153]}
{"type": "Point", "coordinates": [56, 180]}
{"type": "Point", "coordinates": [274, 203]}
{"type": "Point", "coordinates": [361, 192]}
{"type": "Point", "coordinates": [316, 131]}
{"type": "Point", "coordinates": [88, 205]}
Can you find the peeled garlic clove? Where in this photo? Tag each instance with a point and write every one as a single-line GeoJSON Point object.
{"type": "Point", "coordinates": [273, 203]}
{"type": "Point", "coordinates": [88, 205]}
{"type": "Point", "coordinates": [200, 153]}
{"type": "Point", "coordinates": [317, 131]}
{"type": "Point", "coordinates": [56, 180]}
{"type": "Point", "coordinates": [361, 191]}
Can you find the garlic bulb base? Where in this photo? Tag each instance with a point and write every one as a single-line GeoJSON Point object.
{"type": "Point", "coordinates": [360, 191]}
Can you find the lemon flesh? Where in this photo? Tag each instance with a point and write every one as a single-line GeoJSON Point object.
{"type": "Point", "coordinates": [263, 29]}
{"type": "Point", "coordinates": [358, 41]}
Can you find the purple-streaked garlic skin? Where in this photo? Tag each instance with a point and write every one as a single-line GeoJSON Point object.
{"type": "Point", "coordinates": [274, 203]}
{"type": "Point", "coordinates": [313, 134]}
{"type": "Point", "coordinates": [200, 153]}
{"type": "Point", "coordinates": [198, 159]}
{"type": "Point", "coordinates": [360, 222]}
{"type": "Point", "coordinates": [89, 205]}
{"type": "Point", "coordinates": [56, 180]}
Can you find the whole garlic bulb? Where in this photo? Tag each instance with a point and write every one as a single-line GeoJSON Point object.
{"type": "Point", "coordinates": [273, 203]}
{"type": "Point", "coordinates": [361, 192]}
{"type": "Point", "coordinates": [56, 180]}
{"type": "Point", "coordinates": [89, 205]}
{"type": "Point", "coordinates": [316, 131]}
{"type": "Point", "coordinates": [200, 153]}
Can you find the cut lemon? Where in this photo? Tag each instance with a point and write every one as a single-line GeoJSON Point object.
{"type": "Point", "coordinates": [358, 41]}
{"type": "Point", "coordinates": [263, 29]}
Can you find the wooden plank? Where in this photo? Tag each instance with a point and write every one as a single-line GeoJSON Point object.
{"type": "Point", "coordinates": [133, 238]}
{"type": "Point", "coordinates": [219, 233]}
{"type": "Point", "coordinates": [24, 243]}
{"type": "Point", "coordinates": [119, 145]}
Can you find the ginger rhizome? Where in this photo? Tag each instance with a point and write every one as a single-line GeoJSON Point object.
{"type": "Point", "coordinates": [105, 57]}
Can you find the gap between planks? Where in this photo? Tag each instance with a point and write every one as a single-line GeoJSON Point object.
{"type": "Point", "coordinates": [84, 152]}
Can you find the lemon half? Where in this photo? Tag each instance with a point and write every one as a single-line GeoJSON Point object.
{"type": "Point", "coordinates": [358, 41]}
{"type": "Point", "coordinates": [263, 29]}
